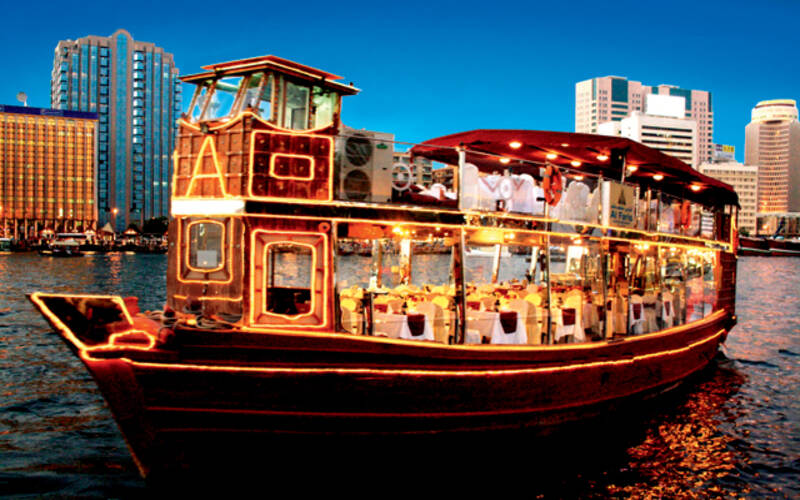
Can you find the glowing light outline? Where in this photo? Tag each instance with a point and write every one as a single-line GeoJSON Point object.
{"type": "Point", "coordinates": [209, 139]}
{"type": "Point", "coordinates": [292, 317]}
{"type": "Point", "coordinates": [723, 245]}
{"type": "Point", "coordinates": [325, 279]}
{"type": "Point", "coordinates": [188, 247]}
{"type": "Point", "coordinates": [181, 221]}
{"type": "Point", "coordinates": [433, 373]}
{"type": "Point", "coordinates": [67, 331]}
{"type": "Point", "coordinates": [273, 158]}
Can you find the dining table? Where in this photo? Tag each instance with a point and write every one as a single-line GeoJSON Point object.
{"type": "Point", "coordinates": [489, 324]}
{"type": "Point", "coordinates": [403, 326]}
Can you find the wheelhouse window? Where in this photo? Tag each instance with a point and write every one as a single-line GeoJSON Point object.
{"type": "Point", "coordinates": [323, 105]}
{"type": "Point", "coordinates": [258, 95]}
{"type": "Point", "coordinates": [295, 113]}
{"type": "Point", "coordinates": [290, 270]}
{"type": "Point", "coordinates": [206, 248]}
{"type": "Point", "coordinates": [199, 101]}
{"type": "Point", "coordinates": [223, 98]}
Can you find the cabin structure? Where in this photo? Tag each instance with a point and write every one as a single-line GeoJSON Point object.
{"type": "Point", "coordinates": [274, 200]}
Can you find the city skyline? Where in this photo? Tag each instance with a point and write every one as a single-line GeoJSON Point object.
{"type": "Point", "coordinates": [418, 66]}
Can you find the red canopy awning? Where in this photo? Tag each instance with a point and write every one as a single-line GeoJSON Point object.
{"type": "Point", "coordinates": [526, 150]}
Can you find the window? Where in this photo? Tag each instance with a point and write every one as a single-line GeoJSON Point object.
{"type": "Point", "coordinates": [253, 100]}
{"type": "Point", "coordinates": [295, 115]}
{"type": "Point", "coordinates": [289, 274]}
{"type": "Point", "coordinates": [222, 98]}
{"type": "Point", "coordinates": [206, 250]}
{"type": "Point", "coordinates": [324, 105]}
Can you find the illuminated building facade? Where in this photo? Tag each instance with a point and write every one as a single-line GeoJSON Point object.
{"type": "Point", "coordinates": [772, 141]}
{"type": "Point", "coordinates": [47, 171]}
{"type": "Point", "coordinates": [134, 89]}
{"type": "Point", "coordinates": [612, 98]}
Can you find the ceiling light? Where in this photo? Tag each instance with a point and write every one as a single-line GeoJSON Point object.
{"type": "Point", "coordinates": [515, 144]}
{"type": "Point", "coordinates": [575, 163]}
{"type": "Point", "coordinates": [695, 188]}
{"type": "Point", "coordinates": [504, 160]}
{"type": "Point", "coordinates": [658, 177]}
{"type": "Point", "coordinates": [552, 156]}
{"type": "Point", "coordinates": [602, 157]}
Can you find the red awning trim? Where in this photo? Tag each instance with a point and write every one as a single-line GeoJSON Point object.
{"type": "Point", "coordinates": [485, 148]}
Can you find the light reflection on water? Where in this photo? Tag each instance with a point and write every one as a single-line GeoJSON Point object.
{"type": "Point", "coordinates": [734, 431]}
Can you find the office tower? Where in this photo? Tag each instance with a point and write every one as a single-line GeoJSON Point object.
{"type": "Point", "coordinates": [744, 179]}
{"type": "Point", "coordinates": [134, 89]}
{"type": "Point", "coordinates": [612, 98]}
{"type": "Point", "coordinates": [772, 141]}
{"type": "Point", "coordinates": [47, 171]}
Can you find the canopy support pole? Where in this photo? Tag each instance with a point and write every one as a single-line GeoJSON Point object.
{"type": "Point", "coordinates": [496, 263]}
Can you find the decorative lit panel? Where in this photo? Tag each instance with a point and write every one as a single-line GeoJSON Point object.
{"type": "Point", "coordinates": [290, 166]}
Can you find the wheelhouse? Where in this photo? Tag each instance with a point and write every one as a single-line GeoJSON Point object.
{"type": "Point", "coordinates": [288, 220]}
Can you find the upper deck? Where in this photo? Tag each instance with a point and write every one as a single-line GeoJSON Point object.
{"type": "Point", "coordinates": [268, 131]}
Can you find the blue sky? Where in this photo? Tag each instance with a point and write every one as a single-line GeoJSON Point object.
{"type": "Point", "coordinates": [433, 68]}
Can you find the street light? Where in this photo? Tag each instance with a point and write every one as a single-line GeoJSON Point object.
{"type": "Point", "coordinates": [114, 212]}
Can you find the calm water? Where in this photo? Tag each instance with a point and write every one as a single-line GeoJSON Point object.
{"type": "Point", "coordinates": [733, 431]}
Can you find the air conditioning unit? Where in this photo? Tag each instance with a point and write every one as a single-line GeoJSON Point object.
{"type": "Point", "coordinates": [364, 165]}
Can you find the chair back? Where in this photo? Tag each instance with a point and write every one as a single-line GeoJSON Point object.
{"type": "Point", "coordinates": [349, 304]}
{"type": "Point", "coordinates": [442, 301]}
{"type": "Point", "coordinates": [350, 321]}
{"type": "Point", "coordinates": [534, 298]}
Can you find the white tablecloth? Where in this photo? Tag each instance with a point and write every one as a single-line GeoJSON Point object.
{"type": "Point", "coordinates": [395, 326]}
{"type": "Point", "coordinates": [487, 323]}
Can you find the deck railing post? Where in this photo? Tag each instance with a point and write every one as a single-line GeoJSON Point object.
{"type": "Point", "coordinates": [459, 257]}
{"type": "Point", "coordinates": [548, 306]}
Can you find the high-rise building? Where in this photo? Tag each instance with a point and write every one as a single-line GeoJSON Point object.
{"type": "Point", "coordinates": [744, 179]}
{"type": "Point", "coordinates": [612, 98]}
{"type": "Point", "coordinates": [673, 136]}
{"type": "Point", "coordinates": [134, 89]}
{"type": "Point", "coordinates": [47, 171]}
{"type": "Point", "coordinates": [772, 141]}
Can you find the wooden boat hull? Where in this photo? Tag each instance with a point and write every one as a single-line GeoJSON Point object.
{"type": "Point", "coordinates": [198, 387]}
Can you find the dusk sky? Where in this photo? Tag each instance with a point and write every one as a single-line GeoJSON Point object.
{"type": "Point", "coordinates": [432, 68]}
